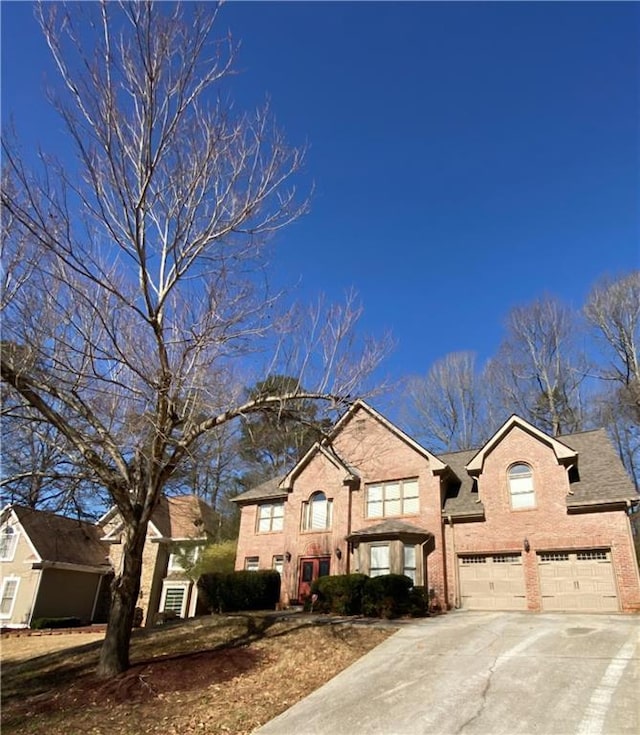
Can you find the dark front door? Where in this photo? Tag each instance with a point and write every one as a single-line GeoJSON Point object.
{"type": "Point", "coordinates": [310, 569]}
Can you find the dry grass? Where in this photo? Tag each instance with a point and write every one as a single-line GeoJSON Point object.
{"type": "Point", "coordinates": [211, 675]}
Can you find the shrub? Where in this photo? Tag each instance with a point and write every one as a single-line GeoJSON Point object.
{"type": "Point", "coordinates": [386, 596]}
{"type": "Point", "coordinates": [46, 623]}
{"type": "Point", "coordinates": [235, 591]}
{"type": "Point", "coordinates": [340, 594]}
{"type": "Point", "coordinates": [418, 605]}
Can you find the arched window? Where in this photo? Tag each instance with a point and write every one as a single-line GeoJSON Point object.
{"type": "Point", "coordinates": [521, 486]}
{"type": "Point", "coordinates": [8, 540]}
{"type": "Point", "coordinates": [316, 513]}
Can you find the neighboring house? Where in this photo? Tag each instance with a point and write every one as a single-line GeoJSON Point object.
{"type": "Point", "coordinates": [51, 567]}
{"type": "Point", "coordinates": [527, 522]}
{"type": "Point", "coordinates": [181, 524]}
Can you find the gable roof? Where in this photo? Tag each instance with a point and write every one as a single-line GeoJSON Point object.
{"type": "Point", "coordinates": [177, 518]}
{"type": "Point", "coordinates": [62, 540]}
{"type": "Point", "coordinates": [600, 478]}
{"type": "Point", "coordinates": [435, 462]}
{"type": "Point", "coordinates": [562, 451]}
{"type": "Point", "coordinates": [279, 488]}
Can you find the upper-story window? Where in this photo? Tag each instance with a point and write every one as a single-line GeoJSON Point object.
{"type": "Point", "coordinates": [316, 513]}
{"type": "Point", "coordinates": [521, 486]}
{"type": "Point", "coordinates": [182, 559]}
{"type": "Point", "coordinates": [270, 517]}
{"type": "Point", "coordinates": [398, 498]}
{"type": "Point", "coordinates": [8, 541]}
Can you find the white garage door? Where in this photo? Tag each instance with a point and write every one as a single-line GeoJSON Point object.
{"type": "Point", "coordinates": [492, 582]}
{"type": "Point", "coordinates": [577, 581]}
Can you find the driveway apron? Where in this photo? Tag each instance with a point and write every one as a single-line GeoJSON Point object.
{"type": "Point", "coordinates": [484, 673]}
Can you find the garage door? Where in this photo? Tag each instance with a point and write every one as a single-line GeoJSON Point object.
{"type": "Point", "coordinates": [492, 582]}
{"type": "Point", "coordinates": [577, 581]}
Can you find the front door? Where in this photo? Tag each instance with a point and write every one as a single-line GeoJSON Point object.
{"type": "Point", "coordinates": [311, 568]}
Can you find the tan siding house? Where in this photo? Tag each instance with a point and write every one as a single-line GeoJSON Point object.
{"type": "Point", "coordinates": [527, 522]}
{"type": "Point", "coordinates": [51, 566]}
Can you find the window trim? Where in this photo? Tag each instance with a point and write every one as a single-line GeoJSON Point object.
{"type": "Point", "coordinates": [386, 546]}
{"type": "Point", "coordinates": [174, 565]}
{"type": "Point", "coordinates": [277, 564]}
{"type": "Point", "coordinates": [414, 569]}
{"type": "Point", "coordinates": [250, 560]}
{"type": "Point", "coordinates": [5, 582]}
{"type": "Point", "coordinates": [383, 486]}
{"type": "Point", "coordinates": [173, 584]}
{"type": "Point", "coordinates": [529, 494]}
{"type": "Point", "coordinates": [272, 506]}
{"type": "Point", "coordinates": [9, 531]}
{"type": "Point", "coordinates": [307, 513]}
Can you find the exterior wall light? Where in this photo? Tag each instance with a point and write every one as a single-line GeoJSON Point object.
{"type": "Point", "coordinates": [287, 556]}
{"type": "Point", "coordinates": [526, 545]}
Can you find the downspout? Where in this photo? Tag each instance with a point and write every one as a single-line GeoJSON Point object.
{"type": "Point", "coordinates": [350, 506]}
{"type": "Point", "coordinates": [456, 570]}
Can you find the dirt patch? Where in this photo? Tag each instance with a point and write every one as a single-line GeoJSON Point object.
{"type": "Point", "coordinates": [214, 676]}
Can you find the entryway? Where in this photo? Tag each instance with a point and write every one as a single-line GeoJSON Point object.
{"type": "Point", "coordinates": [310, 569]}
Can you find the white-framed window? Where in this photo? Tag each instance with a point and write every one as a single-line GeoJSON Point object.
{"type": "Point", "coordinates": [521, 486]}
{"type": "Point", "coordinates": [378, 560]}
{"type": "Point", "coordinates": [186, 556]}
{"type": "Point", "coordinates": [252, 563]}
{"type": "Point", "coordinates": [409, 569]}
{"type": "Point", "coordinates": [278, 564]}
{"type": "Point", "coordinates": [270, 517]}
{"type": "Point", "coordinates": [397, 498]}
{"type": "Point", "coordinates": [8, 595]}
{"type": "Point", "coordinates": [174, 598]}
{"type": "Point", "coordinates": [317, 513]}
{"type": "Point", "coordinates": [8, 541]}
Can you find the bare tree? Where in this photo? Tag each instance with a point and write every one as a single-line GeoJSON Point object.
{"type": "Point", "coordinates": [538, 371]}
{"type": "Point", "coordinates": [613, 310]}
{"type": "Point", "coordinates": [143, 292]}
{"type": "Point", "coordinates": [446, 407]}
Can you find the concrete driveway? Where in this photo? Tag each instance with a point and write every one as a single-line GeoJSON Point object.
{"type": "Point", "coordinates": [490, 673]}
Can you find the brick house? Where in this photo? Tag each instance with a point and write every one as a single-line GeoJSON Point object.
{"type": "Point", "coordinates": [527, 522]}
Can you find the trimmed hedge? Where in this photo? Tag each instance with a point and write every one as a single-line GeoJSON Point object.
{"type": "Point", "coordinates": [236, 591]}
{"type": "Point", "coordinates": [340, 594]}
{"type": "Point", "coordinates": [386, 596]}
{"type": "Point", "coordinates": [47, 623]}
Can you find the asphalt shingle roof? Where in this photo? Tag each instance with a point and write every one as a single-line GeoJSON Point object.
{"type": "Point", "coordinates": [64, 540]}
{"type": "Point", "coordinates": [601, 477]}
{"type": "Point", "coordinates": [185, 516]}
{"type": "Point", "coordinates": [265, 491]}
{"type": "Point", "coordinates": [390, 528]}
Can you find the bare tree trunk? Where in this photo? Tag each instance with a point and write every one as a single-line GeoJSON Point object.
{"type": "Point", "coordinates": [114, 655]}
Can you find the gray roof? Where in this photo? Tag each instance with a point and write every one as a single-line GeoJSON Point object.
{"type": "Point", "coordinates": [61, 539]}
{"type": "Point", "coordinates": [601, 474]}
{"type": "Point", "coordinates": [390, 529]}
{"type": "Point", "coordinates": [265, 491]}
{"type": "Point", "coordinates": [600, 477]}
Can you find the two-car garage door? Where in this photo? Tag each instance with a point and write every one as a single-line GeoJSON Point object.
{"type": "Point", "coordinates": [576, 581]}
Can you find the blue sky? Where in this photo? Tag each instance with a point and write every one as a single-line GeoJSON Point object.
{"type": "Point", "coordinates": [467, 157]}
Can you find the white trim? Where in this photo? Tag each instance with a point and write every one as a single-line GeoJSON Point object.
{"type": "Point", "coordinates": [5, 580]}
{"type": "Point", "coordinates": [68, 567]}
{"type": "Point", "coordinates": [172, 584]}
{"type": "Point", "coordinates": [25, 535]}
{"type": "Point", "coordinates": [562, 451]}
